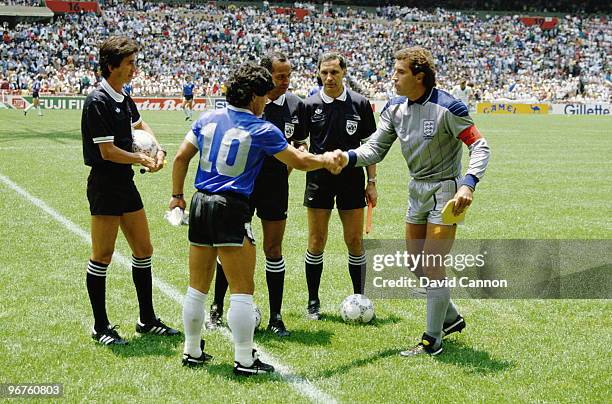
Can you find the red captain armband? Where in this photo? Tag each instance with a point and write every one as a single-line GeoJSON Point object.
{"type": "Point", "coordinates": [469, 135]}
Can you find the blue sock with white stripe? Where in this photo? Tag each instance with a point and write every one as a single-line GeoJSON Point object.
{"type": "Point", "coordinates": [96, 289]}
{"type": "Point", "coordinates": [275, 278]}
{"type": "Point", "coordinates": [357, 265]}
{"type": "Point", "coordinates": [143, 280]}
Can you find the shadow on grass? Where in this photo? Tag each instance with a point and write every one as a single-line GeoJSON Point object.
{"type": "Point", "coordinates": [357, 363]}
{"type": "Point", "coordinates": [471, 360]}
{"type": "Point", "coordinates": [226, 370]}
{"type": "Point", "coordinates": [377, 322]}
{"type": "Point", "coordinates": [149, 345]}
{"type": "Point", "coordinates": [305, 337]}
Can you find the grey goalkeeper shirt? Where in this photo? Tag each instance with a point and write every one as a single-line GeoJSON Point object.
{"type": "Point", "coordinates": [431, 131]}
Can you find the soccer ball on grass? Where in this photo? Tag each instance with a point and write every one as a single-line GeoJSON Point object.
{"type": "Point", "coordinates": [357, 309]}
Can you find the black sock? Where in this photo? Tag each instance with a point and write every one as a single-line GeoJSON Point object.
{"type": "Point", "coordinates": [221, 286]}
{"type": "Point", "coordinates": [314, 269]}
{"type": "Point", "coordinates": [141, 275]}
{"type": "Point", "coordinates": [356, 265]}
{"type": "Point", "coordinates": [275, 278]}
{"type": "Point", "coordinates": [96, 289]}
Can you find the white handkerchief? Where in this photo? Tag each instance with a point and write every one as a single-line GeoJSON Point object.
{"type": "Point", "coordinates": [175, 216]}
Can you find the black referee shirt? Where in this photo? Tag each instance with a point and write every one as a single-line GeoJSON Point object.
{"type": "Point", "coordinates": [107, 116]}
{"type": "Point", "coordinates": [287, 114]}
{"type": "Point", "coordinates": [339, 123]}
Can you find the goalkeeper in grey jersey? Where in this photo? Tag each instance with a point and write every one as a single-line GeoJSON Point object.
{"type": "Point", "coordinates": [432, 126]}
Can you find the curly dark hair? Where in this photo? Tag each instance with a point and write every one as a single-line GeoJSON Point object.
{"type": "Point", "coordinates": [248, 80]}
{"type": "Point", "coordinates": [113, 51]}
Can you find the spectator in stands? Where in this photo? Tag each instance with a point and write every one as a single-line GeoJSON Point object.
{"type": "Point", "coordinates": [490, 51]}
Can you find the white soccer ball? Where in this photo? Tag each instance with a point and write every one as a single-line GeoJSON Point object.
{"type": "Point", "coordinates": [257, 314]}
{"type": "Point", "coordinates": [143, 142]}
{"type": "Point", "coordinates": [357, 309]}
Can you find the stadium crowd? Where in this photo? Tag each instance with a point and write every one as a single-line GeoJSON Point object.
{"type": "Point", "coordinates": [501, 57]}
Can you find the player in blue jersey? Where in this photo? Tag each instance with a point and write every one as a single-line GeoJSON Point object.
{"type": "Point", "coordinates": [36, 86]}
{"type": "Point", "coordinates": [232, 143]}
{"type": "Point", "coordinates": [270, 197]}
{"type": "Point", "coordinates": [188, 98]}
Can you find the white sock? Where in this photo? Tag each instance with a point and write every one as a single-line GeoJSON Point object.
{"type": "Point", "coordinates": [190, 113]}
{"type": "Point", "coordinates": [193, 318]}
{"type": "Point", "coordinates": [186, 112]}
{"type": "Point", "coordinates": [241, 320]}
{"type": "Point", "coordinates": [39, 110]}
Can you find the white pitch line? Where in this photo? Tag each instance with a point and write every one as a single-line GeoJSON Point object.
{"type": "Point", "coordinates": [299, 384]}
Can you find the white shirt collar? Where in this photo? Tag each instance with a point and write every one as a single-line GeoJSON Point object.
{"type": "Point", "coordinates": [328, 100]}
{"type": "Point", "coordinates": [280, 101]}
{"type": "Point", "coordinates": [233, 108]}
{"type": "Point", "coordinates": [115, 95]}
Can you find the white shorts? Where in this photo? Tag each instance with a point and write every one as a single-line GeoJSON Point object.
{"type": "Point", "coordinates": [426, 199]}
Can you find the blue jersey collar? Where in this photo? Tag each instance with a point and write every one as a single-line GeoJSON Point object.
{"type": "Point", "coordinates": [233, 108]}
{"type": "Point", "coordinates": [423, 99]}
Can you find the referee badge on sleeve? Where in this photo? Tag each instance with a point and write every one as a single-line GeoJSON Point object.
{"type": "Point", "coordinates": [351, 127]}
{"type": "Point", "coordinates": [289, 129]}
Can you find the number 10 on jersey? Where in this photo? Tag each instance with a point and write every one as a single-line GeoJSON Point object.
{"type": "Point", "coordinates": [231, 154]}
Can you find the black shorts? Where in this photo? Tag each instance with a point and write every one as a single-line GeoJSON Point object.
{"type": "Point", "coordinates": [219, 220]}
{"type": "Point", "coordinates": [112, 195]}
{"type": "Point", "coordinates": [347, 188]}
{"type": "Point", "coordinates": [35, 95]}
{"type": "Point", "coordinates": [270, 195]}
{"type": "Point", "coordinates": [188, 97]}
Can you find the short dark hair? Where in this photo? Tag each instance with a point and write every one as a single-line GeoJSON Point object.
{"type": "Point", "coordinates": [269, 59]}
{"type": "Point", "coordinates": [419, 60]}
{"type": "Point", "coordinates": [248, 80]}
{"type": "Point", "coordinates": [114, 50]}
{"type": "Point", "coordinates": [327, 56]}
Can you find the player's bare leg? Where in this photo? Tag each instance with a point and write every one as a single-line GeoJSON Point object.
{"type": "Point", "coordinates": [273, 233]}
{"type": "Point", "coordinates": [318, 223]}
{"type": "Point", "coordinates": [104, 230]}
{"type": "Point", "coordinates": [352, 226]}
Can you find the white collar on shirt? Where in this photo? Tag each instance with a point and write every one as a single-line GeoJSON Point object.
{"type": "Point", "coordinates": [280, 101]}
{"type": "Point", "coordinates": [328, 100]}
{"type": "Point", "coordinates": [111, 91]}
{"type": "Point", "coordinates": [233, 108]}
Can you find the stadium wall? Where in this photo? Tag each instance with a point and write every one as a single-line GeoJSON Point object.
{"type": "Point", "coordinates": [15, 101]}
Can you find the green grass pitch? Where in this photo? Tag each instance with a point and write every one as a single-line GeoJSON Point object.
{"type": "Point", "coordinates": [549, 177]}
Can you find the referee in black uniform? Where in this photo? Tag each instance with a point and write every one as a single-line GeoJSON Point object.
{"type": "Point", "coordinates": [270, 197]}
{"type": "Point", "coordinates": [336, 118]}
{"type": "Point", "coordinates": [106, 126]}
